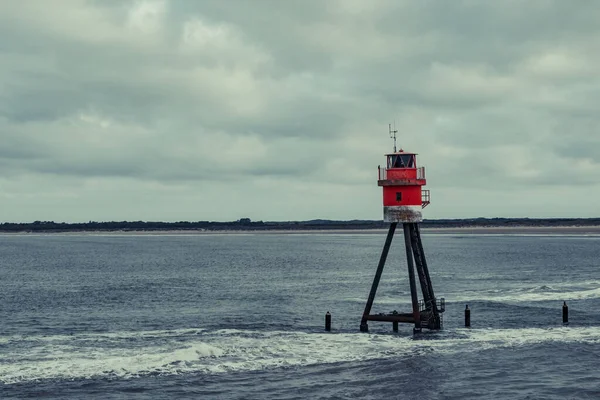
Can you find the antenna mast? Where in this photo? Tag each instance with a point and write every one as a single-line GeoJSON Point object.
{"type": "Point", "coordinates": [393, 134]}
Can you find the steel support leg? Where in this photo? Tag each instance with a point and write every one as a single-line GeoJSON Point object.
{"type": "Point", "coordinates": [411, 278]}
{"type": "Point", "coordinates": [364, 327]}
{"type": "Point", "coordinates": [425, 268]}
{"type": "Point", "coordinates": [434, 321]}
{"type": "Point", "coordinates": [419, 261]}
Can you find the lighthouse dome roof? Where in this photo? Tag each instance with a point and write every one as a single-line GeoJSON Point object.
{"type": "Point", "coordinates": [401, 152]}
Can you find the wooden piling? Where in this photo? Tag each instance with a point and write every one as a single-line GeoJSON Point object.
{"type": "Point", "coordinates": [467, 317]}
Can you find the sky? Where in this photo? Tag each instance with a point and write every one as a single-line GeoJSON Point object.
{"type": "Point", "coordinates": [279, 110]}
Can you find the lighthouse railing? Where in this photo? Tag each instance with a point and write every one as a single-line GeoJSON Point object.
{"type": "Point", "coordinates": [382, 173]}
{"type": "Point", "coordinates": [425, 198]}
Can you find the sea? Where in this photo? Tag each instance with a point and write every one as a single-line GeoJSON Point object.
{"type": "Point", "coordinates": [241, 316]}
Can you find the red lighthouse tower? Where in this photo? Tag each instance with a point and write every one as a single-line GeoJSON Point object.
{"type": "Point", "coordinates": [402, 181]}
{"type": "Point", "coordinates": [403, 200]}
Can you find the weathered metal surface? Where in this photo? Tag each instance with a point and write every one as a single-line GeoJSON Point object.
{"type": "Point", "coordinates": [403, 182]}
{"type": "Point", "coordinates": [404, 318]}
{"type": "Point", "coordinates": [404, 214]}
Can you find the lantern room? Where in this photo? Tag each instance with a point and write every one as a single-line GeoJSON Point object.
{"type": "Point", "coordinates": [402, 181]}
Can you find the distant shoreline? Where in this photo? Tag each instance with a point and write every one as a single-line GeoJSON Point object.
{"type": "Point", "coordinates": [513, 230]}
{"type": "Point", "coordinates": [501, 230]}
{"type": "Point", "coordinates": [246, 225]}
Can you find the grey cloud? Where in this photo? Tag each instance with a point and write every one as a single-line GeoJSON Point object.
{"type": "Point", "coordinates": [210, 93]}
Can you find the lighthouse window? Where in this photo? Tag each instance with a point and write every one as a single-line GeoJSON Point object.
{"type": "Point", "coordinates": [396, 162]}
{"type": "Point", "coordinates": [398, 196]}
{"type": "Point", "coordinates": [408, 160]}
{"type": "Point", "coordinates": [401, 161]}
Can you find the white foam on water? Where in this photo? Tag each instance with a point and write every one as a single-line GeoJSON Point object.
{"type": "Point", "coordinates": [538, 294]}
{"type": "Point", "coordinates": [70, 362]}
{"type": "Point", "coordinates": [103, 336]}
{"type": "Point", "coordinates": [550, 292]}
{"type": "Point", "coordinates": [236, 350]}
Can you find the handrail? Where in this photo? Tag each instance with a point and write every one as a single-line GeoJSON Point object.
{"type": "Point", "coordinates": [382, 173]}
{"type": "Point", "coordinates": [425, 198]}
{"type": "Point", "coordinates": [439, 303]}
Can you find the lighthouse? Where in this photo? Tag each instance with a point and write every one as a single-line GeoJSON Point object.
{"type": "Point", "coordinates": [403, 193]}
{"type": "Point", "coordinates": [404, 199]}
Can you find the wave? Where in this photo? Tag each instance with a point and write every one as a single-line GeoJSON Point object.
{"type": "Point", "coordinates": [546, 292]}
{"type": "Point", "coordinates": [541, 293]}
{"type": "Point", "coordinates": [127, 355]}
{"type": "Point", "coordinates": [582, 290]}
{"type": "Point", "coordinates": [500, 296]}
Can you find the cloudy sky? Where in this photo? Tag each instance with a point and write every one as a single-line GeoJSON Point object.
{"type": "Point", "coordinates": [279, 110]}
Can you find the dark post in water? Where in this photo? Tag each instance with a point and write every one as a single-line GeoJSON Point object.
{"type": "Point", "coordinates": [328, 321]}
{"type": "Point", "coordinates": [467, 317]}
{"type": "Point", "coordinates": [565, 313]}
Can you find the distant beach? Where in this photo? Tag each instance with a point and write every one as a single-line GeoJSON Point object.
{"type": "Point", "coordinates": [513, 230]}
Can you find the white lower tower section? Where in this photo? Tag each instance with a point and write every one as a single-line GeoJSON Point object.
{"type": "Point", "coordinates": [402, 214]}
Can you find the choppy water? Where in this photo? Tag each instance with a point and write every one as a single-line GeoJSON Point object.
{"type": "Point", "coordinates": [241, 316]}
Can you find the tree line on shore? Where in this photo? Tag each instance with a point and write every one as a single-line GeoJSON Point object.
{"type": "Point", "coordinates": [245, 224]}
